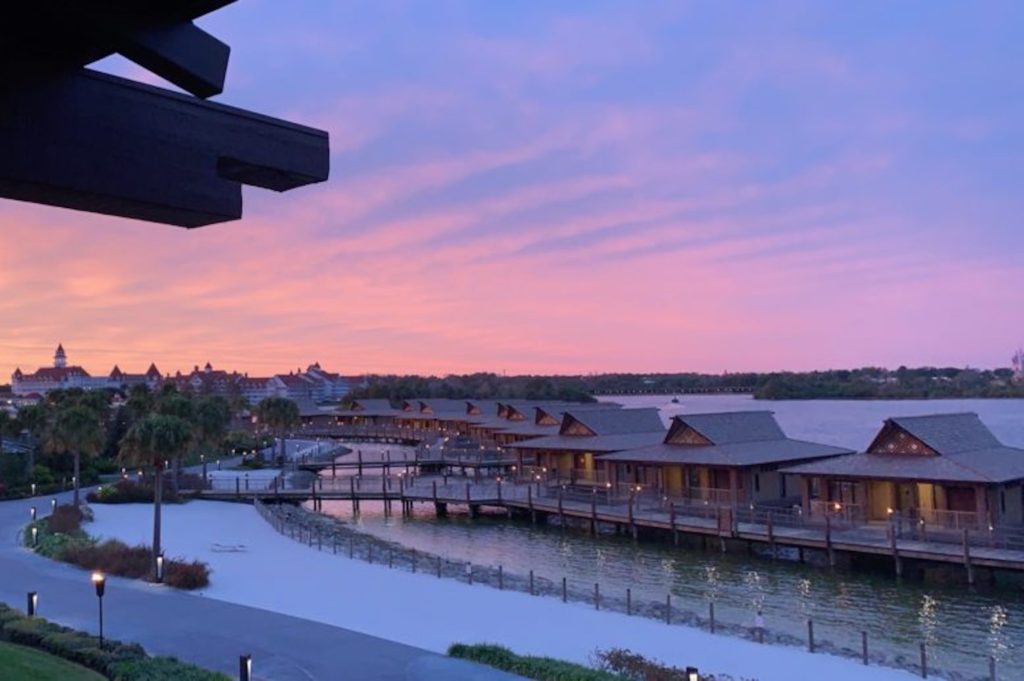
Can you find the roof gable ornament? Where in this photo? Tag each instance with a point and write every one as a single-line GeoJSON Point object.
{"type": "Point", "coordinates": [892, 439]}
{"type": "Point", "coordinates": [681, 433]}
{"type": "Point", "coordinates": [574, 427]}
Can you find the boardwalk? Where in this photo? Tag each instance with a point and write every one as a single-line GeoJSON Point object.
{"type": "Point", "coordinates": [772, 528]}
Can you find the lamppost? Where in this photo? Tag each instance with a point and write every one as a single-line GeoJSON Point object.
{"type": "Point", "coordinates": [691, 674]}
{"type": "Point", "coordinates": [33, 489]}
{"type": "Point", "coordinates": [245, 668]}
{"type": "Point", "coordinates": [32, 513]}
{"type": "Point", "coordinates": [53, 505]}
{"type": "Point", "coordinates": [32, 604]}
{"type": "Point", "coordinates": [100, 582]}
{"type": "Point", "coordinates": [35, 536]}
{"type": "Point", "coordinates": [160, 568]}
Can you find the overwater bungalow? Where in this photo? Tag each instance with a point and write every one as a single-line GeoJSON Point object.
{"type": "Point", "coordinates": [586, 434]}
{"type": "Point", "coordinates": [724, 458]}
{"type": "Point", "coordinates": [947, 470]}
{"type": "Point", "coordinates": [375, 412]}
{"type": "Point", "coordinates": [441, 414]}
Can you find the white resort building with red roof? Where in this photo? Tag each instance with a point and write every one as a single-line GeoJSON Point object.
{"type": "Point", "coordinates": [314, 384]}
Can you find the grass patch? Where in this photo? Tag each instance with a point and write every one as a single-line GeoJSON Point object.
{"type": "Point", "coordinates": [26, 664]}
{"type": "Point", "coordinates": [61, 537]}
{"type": "Point", "coordinates": [538, 668]}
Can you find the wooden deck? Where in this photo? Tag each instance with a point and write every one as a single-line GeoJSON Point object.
{"type": "Point", "coordinates": [772, 529]}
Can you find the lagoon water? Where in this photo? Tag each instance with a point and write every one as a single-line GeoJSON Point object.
{"type": "Point", "coordinates": [962, 627]}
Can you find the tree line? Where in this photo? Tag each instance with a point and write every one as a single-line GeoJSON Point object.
{"type": "Point", "coordinates": [862, 383]}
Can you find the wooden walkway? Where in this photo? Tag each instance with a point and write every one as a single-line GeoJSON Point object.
{"type": "Point", "coordinates": [725, 525]}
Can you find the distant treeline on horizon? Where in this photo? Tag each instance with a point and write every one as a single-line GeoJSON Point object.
{"type": "Point", "coordinates": [864, 383]}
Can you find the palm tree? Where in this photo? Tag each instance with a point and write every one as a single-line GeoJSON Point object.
{"type": "Point", "coordinates": [77, 429]}
{"type": "Point", "coordinates": [151, 441]}
{"type": "Point", "coordinates": [280, 415]}
{"type": "Point", "coordinates": [210, 419]}
{"type": "Point", "coordinates": [180, 405]}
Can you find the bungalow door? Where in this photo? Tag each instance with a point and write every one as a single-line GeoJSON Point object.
{"type": "Point", "coordinates": [906, 497]}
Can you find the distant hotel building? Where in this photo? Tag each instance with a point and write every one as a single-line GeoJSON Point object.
{"type": "Point", "coordinates": [1018, 366]}
{"type": "Point", "coordinates": [312, 385]}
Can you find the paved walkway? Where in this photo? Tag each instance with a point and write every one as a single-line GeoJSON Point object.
{"type": "Point", "coordinates": [208, 632]}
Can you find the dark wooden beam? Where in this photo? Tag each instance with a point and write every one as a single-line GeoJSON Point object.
{"type": "Point", "coordinates": [104, 144]}
{"type": "Point", "coordinates": [181, 53]}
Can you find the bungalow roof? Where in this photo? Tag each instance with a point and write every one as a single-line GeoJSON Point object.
{"type": "Point", "coordinates": [616, 421]}
{"type": "Point", "coordinates": [597, 443]}
{"type": "Point", "coordinates": [757, 453]}
{"type": "Point", "coordinates": [724, 428]}
{"type": "Point", "coordinates": [963, 450]}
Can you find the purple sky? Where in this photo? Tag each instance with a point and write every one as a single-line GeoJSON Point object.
{"type": "Point", "coordinates": [577, 187]}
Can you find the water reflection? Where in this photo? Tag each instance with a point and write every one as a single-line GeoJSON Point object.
{"type": "Point", "coordinates": [960, 627]}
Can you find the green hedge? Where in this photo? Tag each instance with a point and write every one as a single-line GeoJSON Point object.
{"type": "Point", "coordinates": [539, 668]}
{"type": "Point", "coordinates": [117, 661]}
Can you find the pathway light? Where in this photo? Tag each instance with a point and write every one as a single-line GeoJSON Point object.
{"type": "Point", "coordinates": [100, 582]}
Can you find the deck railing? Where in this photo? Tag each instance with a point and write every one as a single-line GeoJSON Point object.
{"type": "Point", "coordinates": [848, 514]}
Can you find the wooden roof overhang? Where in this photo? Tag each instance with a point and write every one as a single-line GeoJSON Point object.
{"type": "Point", "coordinates": [80, 139]}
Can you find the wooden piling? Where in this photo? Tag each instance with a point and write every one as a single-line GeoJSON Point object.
{"type": "Point", "coordinates": [924, 662]}
{"type": "Point", "coordinates": [828, 542]}
{"type": "Point", "coordinates": [629, 601]}
{"type": "Point", "coordinates": [668, 608]}
{"type": "Point", "coordinates": [897, 561]}
{"type": "Point", "coordinates": [771, 535]}
{"type": "Point", "coordinates": [561, 513]}
{"type": "Point", "coordinates": [810, 635]}
{"type": "Point", "coordinates": [501, 578]}
{"type": "Point", "coordinates": [672, 522]}
{"type": "Point", "coordinates": [967, 559]}
{"type": "Point", "coordinates": [531, 583]}
{"type": "Point", "coordinates": [597, 596]}
{"type": "Point", "coordinates": [711, 616]}
{"type": "Point", "coordinates": [864, 647]}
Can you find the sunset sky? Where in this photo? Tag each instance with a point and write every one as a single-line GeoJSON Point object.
{"type": "Point", "coordinates": [576, 186]}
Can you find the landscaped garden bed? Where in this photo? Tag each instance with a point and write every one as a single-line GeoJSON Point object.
{"type": "Point", "coordinates": [112, 660]}
{"type": "Point", "coordinates": [61, 537]}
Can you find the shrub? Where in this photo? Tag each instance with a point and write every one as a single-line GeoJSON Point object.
{"type": "Point", "coordinates": [130, 492]}
{"type": "Point", "coordinates": [113, 557]}
{"type": "Point", "coordinates": [188, 576]}
{"type": "Point", "coordinates": [116, 660]}
{"type": "Point", "coordinates": [539, 668]}
{"type": "Point", "coordinates": [66, 519]}
{"type": "Point", "coordinates": [53, 545]}
{"type": "Point", "coordinates": [161, 669]}
{"type": "Point", "coordinates": [635, 666]}
{"type": "Point", "coordinates": [105, 466]}
{"type": "Point", "coordinates": [42, 475]}
{"type": "Point", "coordinates": [117, 558]}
